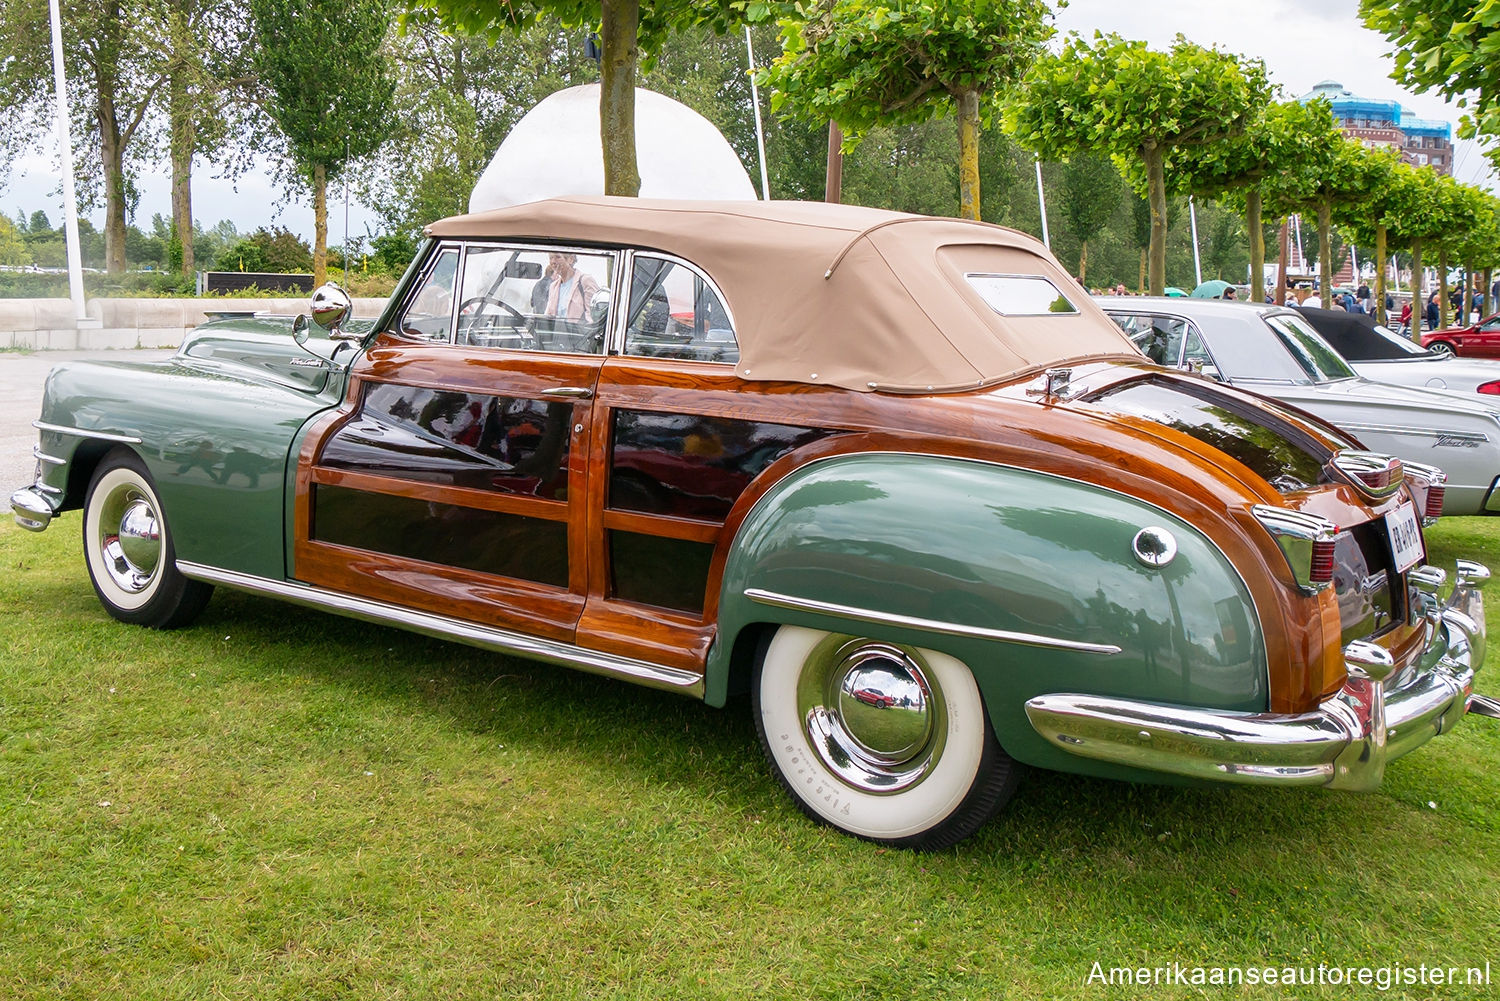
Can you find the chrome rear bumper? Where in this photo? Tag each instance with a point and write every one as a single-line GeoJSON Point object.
{"type": "Point", "coordinates": [1379, 715]}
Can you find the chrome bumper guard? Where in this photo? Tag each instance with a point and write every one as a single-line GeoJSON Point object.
{"type": "Point", "coordinates": [31, 509]}
{"type": "Point", "coordinates": [1379, 715]}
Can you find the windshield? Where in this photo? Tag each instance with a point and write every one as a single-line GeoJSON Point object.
{"type": "Point", "coordinates": [1311, 352]}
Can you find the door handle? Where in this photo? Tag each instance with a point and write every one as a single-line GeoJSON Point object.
{"type": "Point", "coordinates": [568, 392]}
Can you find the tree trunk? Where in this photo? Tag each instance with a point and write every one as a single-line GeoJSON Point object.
{"type": "Point", "coordinates": [320, 225]}
{"type": "Point", "coordinates": [1157, 195]}
{"type": "Point", "coordinates": [1140, 282]}
{"type": "Point", "coordinates": [184, 137]}
{"type": "Point", "coordinates": [833, 184]}
{"type": "Point", "coordinates": [1487, 306]}
{"type": "Point", "coordinates": [1325, 250]}
{"type": "Point", "coordinates": [968, 154]}
{"type": "Point", "coordinates": [113, 156]}
{"type": "Point", "coordinates": [618, 32]}
{"type": "Point", "coordinates": [1418, 307]}
{"type": "Point", "coordinates": [1083, 262]}
{"type": "Point", "coordinates": [1257, 245]}
{"type": "Point", "coordinates": [1380, 316]}
{"type": "Point", "coordinates": [1442, 288]}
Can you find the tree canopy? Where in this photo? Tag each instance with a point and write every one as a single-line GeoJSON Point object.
{"type": "Point", "coordinates": [1123, 98]}
{"type": "Point", "coordinates": [867, 63]}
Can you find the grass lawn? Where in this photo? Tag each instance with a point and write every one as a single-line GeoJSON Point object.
{"type": "Point", "coordinates": [280, 804]}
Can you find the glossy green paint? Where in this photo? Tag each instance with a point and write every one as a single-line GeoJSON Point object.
{"type": "Point", "coordinates": [217, 424]}
{"type": "Point", "coordinates": [976, 544]}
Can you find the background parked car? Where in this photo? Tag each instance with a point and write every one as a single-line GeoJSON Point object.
{"type": "Point", "coordinates": [1274, 351]}
{"type": "Point", "coordinates": [1478, 340]}
{"type": "Point", "coordinates": [1381, 355]}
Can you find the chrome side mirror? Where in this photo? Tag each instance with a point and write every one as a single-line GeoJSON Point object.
{"type": "Point", "coordinates": [331, 306]}
{"type": "Point", "coordinates": [300, 329]}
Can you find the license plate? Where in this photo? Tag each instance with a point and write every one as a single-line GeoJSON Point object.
{"type": "Point", "coordinates": [1406, 537]}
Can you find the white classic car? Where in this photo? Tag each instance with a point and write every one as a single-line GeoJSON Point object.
{"type": "Point", "coordinates": [1381, 355]}
{"type": "Point", "coordinates": [1274, 351]}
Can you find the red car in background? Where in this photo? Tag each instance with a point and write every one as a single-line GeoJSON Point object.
{"type": "Point", "coordinates": [1479, 340]}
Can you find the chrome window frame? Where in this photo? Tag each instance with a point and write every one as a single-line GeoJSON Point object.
{"type": "Point", "coordinates": [615, 253]}
{"type": "Point", "coordinates": [616, 340]}
{"type": "Point", "coordinates": [1189, 325]}
{"type": "Point", "coordinates": [418, 285]}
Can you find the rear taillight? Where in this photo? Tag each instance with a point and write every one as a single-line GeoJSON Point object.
{"type": "Point", "coordinates": [1306, 540]}
{"type": "Point", "coordinates": [1490, 388]}
{"type": "Point", "coordinates": [1320, 572]}
{"type": "Point", "coordinates": [1428, 484]}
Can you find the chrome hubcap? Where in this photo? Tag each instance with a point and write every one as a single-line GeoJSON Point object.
{"type": "Point", "coordinates": [871, 713]}
{"type": "Point", "coordinates": [129, 538]}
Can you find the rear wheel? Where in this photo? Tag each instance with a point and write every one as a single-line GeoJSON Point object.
{"type": "Point", "coordinates": [890, 743]}
{"type": "Point", "coordinates": [129, 550]}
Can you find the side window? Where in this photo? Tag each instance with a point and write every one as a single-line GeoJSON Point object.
{"type": "Point", "coordinates": [1158, 337]}
{"type": "Point", "coordinates": [535, 300]}
{"type": "Point", "coordinates": [429, 314]}
{"type": "Point", "coordinates": [1195, 352]}
{"type": "Point", "coordinates": [674, 313]}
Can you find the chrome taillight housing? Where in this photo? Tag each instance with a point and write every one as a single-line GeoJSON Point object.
{"type": "Point", "coordinates": [1428, 486]}
{"type": "Point", "coordinates": [1375, 475]}
{"type": "Point", "coordinates": [1306, 540]}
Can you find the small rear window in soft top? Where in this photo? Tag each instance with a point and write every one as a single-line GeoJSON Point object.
{"type": "Point", "coordinates": [1020, 295]}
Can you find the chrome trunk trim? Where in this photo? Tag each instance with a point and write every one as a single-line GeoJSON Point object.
{"type": "Point", "coordinates": [85, 433]}
{"type": "Point", "coordinates": [870, 617]}
{"type": "Point", "coordinates": [442, 627]}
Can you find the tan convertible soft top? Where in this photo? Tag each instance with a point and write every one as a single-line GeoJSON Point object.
{"type": "Point", "coordinates": [839, 294]}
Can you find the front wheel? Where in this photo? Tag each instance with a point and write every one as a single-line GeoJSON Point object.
{"type": "Point", "coordinates": [129, 551]}
{"type": "Point", "coordinates": [1442, 348]}
{"type": "Point", "coordinates": [886, 742]}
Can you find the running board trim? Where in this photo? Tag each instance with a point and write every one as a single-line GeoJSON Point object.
{"type": "Point", "coordinates": [641, 672]}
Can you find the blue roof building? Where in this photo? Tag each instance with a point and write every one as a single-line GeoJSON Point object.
{"type": "Point", "coordinates": [1422, 142]}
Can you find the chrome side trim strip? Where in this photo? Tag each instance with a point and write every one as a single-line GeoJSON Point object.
{"type": "Point", "coordinates": [1418, 432]}
{"type": "Point", "coordinates": [36, 450]}
{"type": "Point", "coordinates": [642, 672]}
{"type": "Point", "coordinates": [85, 433]}
{"type": "Point", "coordinates": [48, 489]}
{"type": "Point", "coordinates": [790, 603]}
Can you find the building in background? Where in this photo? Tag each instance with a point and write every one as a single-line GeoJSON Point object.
{"type": "Point", "coordinates": [1422, 142]}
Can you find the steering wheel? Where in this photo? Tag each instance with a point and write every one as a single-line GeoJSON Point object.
{"type": "Point", "coordinates": [522, 321]}
{"type": "Point", "coordinates": [489, 300]}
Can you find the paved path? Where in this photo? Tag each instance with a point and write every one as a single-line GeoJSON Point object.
{"type": "Point", "coordinates": [22, 375]}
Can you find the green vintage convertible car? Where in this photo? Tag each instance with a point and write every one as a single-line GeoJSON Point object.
{"type": "Point", "coordinates": [896, 477]}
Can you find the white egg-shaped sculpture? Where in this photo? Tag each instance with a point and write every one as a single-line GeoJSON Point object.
{"type": "Point", "coordinates": [555, 150]}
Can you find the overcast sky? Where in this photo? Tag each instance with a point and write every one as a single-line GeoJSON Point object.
{"type": "Point", "coordinates": [1301, 42]}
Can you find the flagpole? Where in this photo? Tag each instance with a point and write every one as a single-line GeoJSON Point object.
{"type": "Point", "coordinates": [65, 144]}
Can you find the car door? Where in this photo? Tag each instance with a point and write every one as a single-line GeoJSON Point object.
{"type": "Point", "coordinates": [1484, 342]}
{"type": "Point", "coordinates": [453, 478]}
{"type": "Point", "coordinates": [678, 437]}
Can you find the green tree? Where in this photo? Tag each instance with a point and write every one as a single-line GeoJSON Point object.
{"type": "Point", "coordinates": [1122, 98]}
{"type": "Point", "coordinates": [13, 249]}
{"type": "Point", "coordinates": [871, 63]}
{"type": "Point", "coordinates": [114, 80]}
{"type": "Point", "coordinates": [326, 89]}
{"type": "Point", "coordinates": [1330, 175]}
{"type": "Point", "coordinates": [278, 251]}
{"type": "Point", "coordinates": [1287, 136]}
{"type": "Point", "coordinates": [1090, 193]}
{"type": "Point", "coordinates": [627, 29]}
{"type": "Point", "coordinates": [1449, 46]}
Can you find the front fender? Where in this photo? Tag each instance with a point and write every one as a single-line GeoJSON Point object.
{"type": "Point", "coordinates": [1029, 579]}
{"type": "Point", "coordinates": [216, 446]}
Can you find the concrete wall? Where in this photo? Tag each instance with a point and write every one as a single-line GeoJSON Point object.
{"type": "Point", "coordinates": [48, 324]}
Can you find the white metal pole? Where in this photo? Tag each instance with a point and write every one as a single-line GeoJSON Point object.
{"type": "Point", "coordinates": [760, 134]}
{"type": "Point", "coordinates": [1041, 200]}
{"type": "Point", "coordinates": [1193, 224]}
{"type": "Point", "coordinates": [65, 144]}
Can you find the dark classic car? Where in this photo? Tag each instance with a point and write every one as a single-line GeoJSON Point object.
{"type": "Point", "coordinates": [896, 477]}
